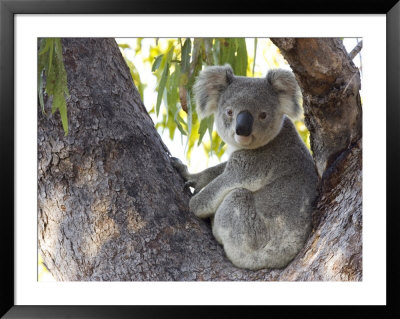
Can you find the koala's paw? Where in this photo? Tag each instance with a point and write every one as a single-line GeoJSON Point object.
{"type": "Point", "coordinates": [180, 167]}
{"type": "Point", "coordinates": [199, 206]}
{"type": "Point", "coordinates": [195, 206]}
{"type": "Point", "coordinates": [191, 180]}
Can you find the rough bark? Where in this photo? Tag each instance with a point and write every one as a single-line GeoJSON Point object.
{"type": "Point", "coordinates": [111, 207]}
{"type": "Point", "coordinates": [334, 249]}
{"type": "Point", "coordinates": [330, 85]}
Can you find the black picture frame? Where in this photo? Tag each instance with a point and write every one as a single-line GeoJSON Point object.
{"type": "Point", "coordinates": [8, 10]}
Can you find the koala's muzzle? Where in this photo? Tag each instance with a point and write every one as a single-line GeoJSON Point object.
{"type": "Point", "coordinates": [244, 123]}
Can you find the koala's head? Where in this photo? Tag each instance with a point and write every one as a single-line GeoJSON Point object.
{"type": "Point", "coordinates": [248, 112]}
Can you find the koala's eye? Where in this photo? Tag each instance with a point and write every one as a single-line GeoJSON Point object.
{"type": "Point", "coordinates": [262, 115]}
{"type": "Point", "coordinates": [229, 112]}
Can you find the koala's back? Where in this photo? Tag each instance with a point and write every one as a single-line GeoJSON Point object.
{"type": "Point", "coordinates": [266, 223]}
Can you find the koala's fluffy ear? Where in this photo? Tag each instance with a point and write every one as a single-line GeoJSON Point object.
{"type": "Point", "coordinates": [210, 83]}
{"type": "Point", "coordinates": [285, 84]}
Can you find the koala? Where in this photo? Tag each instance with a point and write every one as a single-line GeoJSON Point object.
{"type": "Point", "coordinates": [260, 200]}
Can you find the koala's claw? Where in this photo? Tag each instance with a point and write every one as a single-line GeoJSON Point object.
{"type": "Point", "coordinates": [190, 183]}
{"type": "Point", "coordinates": [194, 184]}
{"type": "Point", "coordinates": [191, 180]}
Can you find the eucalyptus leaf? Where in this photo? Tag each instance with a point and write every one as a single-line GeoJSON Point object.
{"type": "Point", "coordinates": [185, 55]}
{"type": "Point", "coordinates": [178, 119]}
{"type": "Point", "coordinates": [202, 130]}
{"type": "Point", "coordinates": [241, 57]}
{"type": "Point", "coordinates": [221, 145]}
{"type": "Point", "coordinates": [255, 53]}
{"type": "Point", "coordinates": [124, 46]}
{"type": "Point", "coordinates": [189, 113]}
{"type": "Point", "coordinates": [161, 88]}
{"type": "Point", "coordinates": [64, 118]}
{"type": "Point", "coordinates": [51, 62]}
{"type": "Point", "coordinates": [227, 52]}
{"type": "Point", "coordinates": [46, 47]}
{"type": "Point", "coordinates": [51, 51]}
{"type": "Point", "coordinates": [41, 101]}
{"type": "Point", "coordinates": [156, 63]}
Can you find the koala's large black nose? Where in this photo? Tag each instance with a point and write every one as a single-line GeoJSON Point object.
{"type": "Point", "coordinates": [244, 123]}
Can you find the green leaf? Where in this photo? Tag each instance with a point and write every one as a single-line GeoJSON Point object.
{"type": "Point", "coordinates": [171, 125]}
{"type": "Point", "coordinates": [208, 52]}
{"type": "Point", "coordinates": [216, 51]}
{"type": "Point", "coordinates": [172, 91]}
{"type": "Point", "coordinates": [202, 130]}
{"type": "Point", "coordinates": [64, 118]}
{"type": "Point", "coordinates": [169, 55]}
{"type": "Point", "coordinates": [196, 64]}
{"type": "Point", "coordinates": [41, 93]}
{"type": "Point", "coordinates": [193, 137]}
{"type": "Point", "coordinates": [185, 56]}
{"type": "Point", "coordinates": [157, 62]}
{"type": "Point", "coordinates": [189, 113]}
{"type": "Point", "coordinates": [51, 53]}
{"type": "Point", "coordinates": [178, 119]}
{"type": "Point", "coordinates": [60, 105]}
{"type": "Point", "coordinates": [51, 61]}
{"type": "Point", "coordinates": [42, 58]}
{"type": "Point", "coordinates": [234, 52]}
{"type": "Point", "coordinates": [221, 145]}
{"type": "Point", "coordinates": [161, 87]}
{"type": "Point", "coordinates": [138, 45]}
{"type": "Point", "coordinates": [124, 46]}
{"type": "Point", "coordinates": [227, 52]}
{"type": "Point", "coordinates": [241, 58]}
{"type": "Point", "coordinates": [255, 53]}
{"type": "Point", "coordinates": [45, 44]}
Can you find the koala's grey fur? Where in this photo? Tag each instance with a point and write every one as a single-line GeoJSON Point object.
{"type": "Point", "coordinates": [260, 200]}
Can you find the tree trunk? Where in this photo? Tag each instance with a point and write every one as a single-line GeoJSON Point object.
{"type": "Point", "coordinates": [111, 207]}
{"type": "Point", "coordinates": [330, 85]}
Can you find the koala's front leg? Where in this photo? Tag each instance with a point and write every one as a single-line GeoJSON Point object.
{"type": "Point", "coordinates": [200, 180]}
{"type": "Point", "coordinates": [205, 203]}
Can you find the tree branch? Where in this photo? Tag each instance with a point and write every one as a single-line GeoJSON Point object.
{"type": "Point", "coordinates": [330, 84]}
{"type": "Point", "coordinates": [356, 50]}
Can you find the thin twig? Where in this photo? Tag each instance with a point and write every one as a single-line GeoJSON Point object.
{"type": "Point", "coordinates": [348, 83]}
{"type": "Point", "coordinates": [356, 50]}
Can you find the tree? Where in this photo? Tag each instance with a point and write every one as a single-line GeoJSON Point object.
{"type": "Point", "coordinates": [111, 206]}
